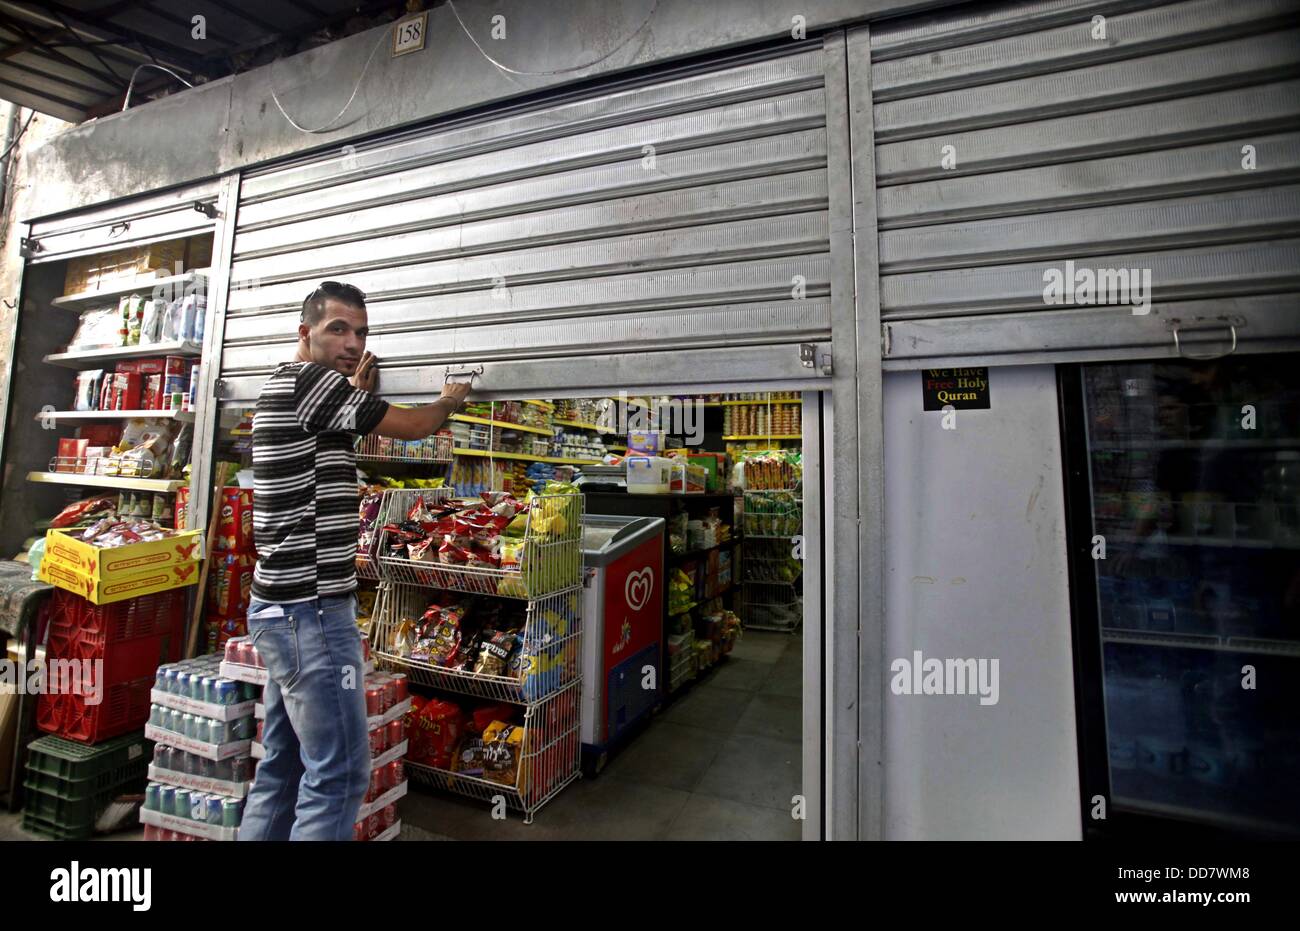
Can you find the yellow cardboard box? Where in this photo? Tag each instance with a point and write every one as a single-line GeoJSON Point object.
{"type": "Point", "coordinates": [109, 563]}
{"type": "Point", "coordinates": [122, 585]}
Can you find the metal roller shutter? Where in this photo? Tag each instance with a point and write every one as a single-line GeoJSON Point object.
{"type": "Point", "coordinates": [1117, 152]}
{"type": "Point", "coordinates": [167, 215]}
{"type": "Point", "coordinates": [553, 245]}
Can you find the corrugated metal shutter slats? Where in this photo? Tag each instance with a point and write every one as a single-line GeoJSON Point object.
{"type": "Point", "coordinates": [557, 232]}
{"type": "Point", "coordinates": [1123, 152]}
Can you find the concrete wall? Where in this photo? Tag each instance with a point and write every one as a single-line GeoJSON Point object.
{"type": "Point", "coordinates": [975, 565]}
{"type": "Point", "coordinates": [235, 122]}
{"type": "Point", "coordinates": [23, 196]}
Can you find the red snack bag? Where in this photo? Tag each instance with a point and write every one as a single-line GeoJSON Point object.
{"type": "Point", "coordinates": [415, 749]}
{"type": "Point", "coordinates": [436, 732]}
{"type": "Point", "coordinates": [452, 554]}
{"type": "Point", "coordinates": [482, 717]}
{"type": "Point", "coordinates": [75, 512]}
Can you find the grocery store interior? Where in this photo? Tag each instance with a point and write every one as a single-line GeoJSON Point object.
{"type": "Point", "coordinates": [586, 615]}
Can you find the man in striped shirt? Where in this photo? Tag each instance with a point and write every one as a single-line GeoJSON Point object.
{"type": "Point", "coordinates": [302, 616]}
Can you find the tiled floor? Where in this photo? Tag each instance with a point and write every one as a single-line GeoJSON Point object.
{"type": "Point", "coordinates": [721, 763]}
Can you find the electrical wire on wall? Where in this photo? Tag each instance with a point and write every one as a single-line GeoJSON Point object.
{"type": "Point", "coordinates": [270, 83]}
{"type": "Point", "coordinates": [4, 165]}
{"type": "Point", "coordinates": [508, 70]}
{"type": "Point", "coordinates": [505, 69]}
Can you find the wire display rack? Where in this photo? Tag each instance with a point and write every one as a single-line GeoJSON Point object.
{"type": "Point", "coordinates": [145, 466]}
{"type": "Point", "coordinates": [431, 449]}
{"type": "Point", "coordinates": [544, 675]}
{"type": "Point", "coordinates": [549, 554]}
{"type": "Point", "coordinates": [772, 514]}
{"type": "Point", "coordinates": [772, 606]}
{"type": "Point", "coordinates": [548, 762]}
{"type": "Point", "coordinates": [550, 645]}
{"type": "Point", "coordinates": [367, 565]}
{"type": "Point", "coordinates": [770, 573]}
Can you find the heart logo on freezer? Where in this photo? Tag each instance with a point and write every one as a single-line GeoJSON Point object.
{"type": "Point", "coordinates": [639, 587]}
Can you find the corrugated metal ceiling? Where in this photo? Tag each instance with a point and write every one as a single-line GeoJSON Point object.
{"type": "Point", "coordinates": [73, 59]}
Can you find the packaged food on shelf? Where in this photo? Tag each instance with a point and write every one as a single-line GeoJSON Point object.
{"type": "Point", "coordinates": [97, 329]}
{"type": "Point", "coordinates": [89, 384]}
{"type": "Point", "coordinates": [219, 628]}
{"type": "Point", "coordinates": [770, 470]}
{"type": "Point", "coordinates": [681, 588]}
{"type": "Point", "coordinates": [235, 526]}
{"type": "Point", "coordinates": [230, 583]}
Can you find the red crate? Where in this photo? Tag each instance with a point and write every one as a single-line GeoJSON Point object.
{"type": "Point", "coordinates": [125, 707]}
{"type": "Point", "coordinates": [123, 662]}
{"type": "Point", "coordinates": [132, 638]}
{"type": "Point", "coordinates": [142, 616]}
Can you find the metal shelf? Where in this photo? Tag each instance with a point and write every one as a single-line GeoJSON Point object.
{"type": "Point", "coordinates": [505, 425]}
{"type": "Point", "coordinates": [1224, 542]}
{"type": "Point", "coordinates": [86, 299]}
{"type": "Point", "coordinates": [765, 436]}
{"type": "Point", "coordinates": [89, 358]}
{"type": "Point", "coordinates": [105, 481]}
{"type": "Point", "coordinates": [54, 416]}
{"type": "Point", "coordinates": [1209, 443]}
{"type": "Point", "coordinates": [696, 554]}
{"type": "Point", "coordinates": [581, 425]}
{"type": "Point", "coordinates": [1214, 642]}
{"type": "Point", "coordinates": [526, 457]}
{"type": "Point", "coordinates": [764, 403]}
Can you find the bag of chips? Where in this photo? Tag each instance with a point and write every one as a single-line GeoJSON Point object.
{"type": "Point", "coordinates": [494, 655]}
{"type": "Point", "coordinates": [503, 748]}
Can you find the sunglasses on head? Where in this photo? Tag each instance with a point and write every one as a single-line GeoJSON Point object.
{"type": "Point", "coordinates": [338, 289]}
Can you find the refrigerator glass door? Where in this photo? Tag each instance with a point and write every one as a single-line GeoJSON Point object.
{"type": "Point", "coordinates": [1195, 490]}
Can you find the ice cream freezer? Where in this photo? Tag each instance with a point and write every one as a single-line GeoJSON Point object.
{"type": "Point", "coordinates": [622, 610]}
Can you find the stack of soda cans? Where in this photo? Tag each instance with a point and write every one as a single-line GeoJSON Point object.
{"type": "Point", "coordinates": [387, 702]}
{"type": "Point", "coordinates": [202, 724]}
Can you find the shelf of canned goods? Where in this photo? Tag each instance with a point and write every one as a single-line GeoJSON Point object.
{"type": "Point", "coordinates": [527, 614]}
{"type": "Point", "coordinates": [202, 726]}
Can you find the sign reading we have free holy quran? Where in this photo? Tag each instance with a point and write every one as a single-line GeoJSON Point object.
{"type": "Point", "coordinates": [963, 389]}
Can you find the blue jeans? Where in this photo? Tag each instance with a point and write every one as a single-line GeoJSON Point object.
{"type": "Point", "coordinates": [311, 782]}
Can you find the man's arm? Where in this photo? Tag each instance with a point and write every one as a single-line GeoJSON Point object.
{"type": "Point", "coordinates": [415, 423]}
{"type": "Point", "coordinates": [410, 423]}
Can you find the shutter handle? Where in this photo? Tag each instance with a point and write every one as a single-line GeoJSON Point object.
{"type": "Point", "coordinates": [1232, 327]}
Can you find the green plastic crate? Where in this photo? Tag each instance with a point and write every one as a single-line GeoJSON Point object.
{"type": "Point", "coordinates": [71, 814]}
{"type": "Point", "coordinates": [74, 770]}
{"type": "Point", "coordinates": [54, 831]}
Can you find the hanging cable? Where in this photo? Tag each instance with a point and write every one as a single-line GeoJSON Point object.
{"type": "Point", "coordinates": [632, 35]}
{"type": "Point", "coordinates": [270, 83]}
{"type": "Point", "coordinates": [18, 137]}
{"type": "Point", "coordinates": [126, 102]}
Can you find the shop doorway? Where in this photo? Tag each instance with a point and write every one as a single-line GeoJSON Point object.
{"type": "Point", "coordinates": [701, 612]}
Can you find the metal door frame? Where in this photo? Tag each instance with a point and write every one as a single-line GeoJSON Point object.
{"type": "Point", "coordinates": [856, 631]}
{"type": "Point", "coordinates": [208, 410]}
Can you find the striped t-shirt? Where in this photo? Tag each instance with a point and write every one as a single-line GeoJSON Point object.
{"type": "Point", "coordinates": [305, 482]}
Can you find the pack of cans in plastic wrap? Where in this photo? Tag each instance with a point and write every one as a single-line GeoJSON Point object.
{"type": "Point", "coordinates": [200, 728]}
{"type": "Point", "coordinates": [180, 762]}
{"type": "Point", "coordinates": [191, 805]}
{"type": "Point", "coordinates": [200, 679]}
{"type": "Point", "coordinates": [374, 824]}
